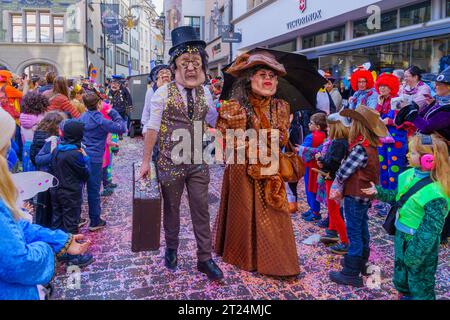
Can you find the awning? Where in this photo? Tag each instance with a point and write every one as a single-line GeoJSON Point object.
{"type": "Point", "coordinates": [407, 35]}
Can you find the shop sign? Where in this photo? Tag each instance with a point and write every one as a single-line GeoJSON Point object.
{"type": "Point", "coordinates": [312, 17]}
{"type": "Point", "coordinates": [232, 37]}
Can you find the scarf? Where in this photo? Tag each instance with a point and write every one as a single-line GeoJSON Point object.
{"type": "Point", "coordinates": [443, 101]}
{"type": "Point", "coordinates": [261, 106]}
{"type": "Point", "coordinates": [385, 105]}
{"type": "Point", "coordinates": [359, 140]}
{"type": "Point", "coordinates": [412, 91]}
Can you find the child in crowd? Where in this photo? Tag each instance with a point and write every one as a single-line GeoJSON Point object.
{"type": "Point", "coordinates": [70, 165]}
{"type": "Point", "coordinates": [47, 133]}
{"type": "Point", "coordinates": [34, 105]}
{"type": "Point", "coordinates": [318, 127]}
{"type": "Point", "coordinates": [421, 219]}
{"type": "Point", "coordinates": [108, 186]}
{"type": "Point", "coordinates": [96, 129]}
{"type": "Point", "coordinates": [360, 168]}
{"type": "Point", "coordinates": [76, 98]}
{"type": "Point", "coordinates": [329, 163]}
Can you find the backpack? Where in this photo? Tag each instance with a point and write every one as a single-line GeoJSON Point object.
{"type": "Point", "coordinates": [6, 105]}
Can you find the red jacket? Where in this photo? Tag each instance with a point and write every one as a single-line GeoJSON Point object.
{"type": "Point", "coordinates": [60, 102]}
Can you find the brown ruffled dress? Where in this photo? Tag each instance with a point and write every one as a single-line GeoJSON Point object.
{"type": "Point", "coordinates": [253, 227]}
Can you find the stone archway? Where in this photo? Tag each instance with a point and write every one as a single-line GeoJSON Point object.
{"type": "Point", "coordinates": [38, 67]}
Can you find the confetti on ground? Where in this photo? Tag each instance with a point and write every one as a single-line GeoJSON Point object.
{"type": "Point", "coordinates": [118, 273]}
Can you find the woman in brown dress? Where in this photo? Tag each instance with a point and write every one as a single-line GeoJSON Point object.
{"type": "Point", "coordinates": [254, 228]}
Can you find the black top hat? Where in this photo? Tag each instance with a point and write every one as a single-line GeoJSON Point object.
{"type": "Point", "coordinates": [185, 36]}
{"type": "Point", "coordinates": [157, 69]}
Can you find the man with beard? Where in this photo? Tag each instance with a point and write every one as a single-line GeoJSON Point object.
{"type": "Point", "coordinates": [175, 106]}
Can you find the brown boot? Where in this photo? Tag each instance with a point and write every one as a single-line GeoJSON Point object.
{"type": "Point", "coordinates": [293, 207]}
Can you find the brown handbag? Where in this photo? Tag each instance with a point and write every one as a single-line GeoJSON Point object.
{"type": "Point", "coordinates": [292, 168]}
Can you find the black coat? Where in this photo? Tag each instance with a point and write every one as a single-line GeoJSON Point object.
{"type": "Point", "coordinates": [72, 170]}
{"type": "Point", "coordinates": [37, 144]}
{"type": "Point", "coordinates": [121, 100]}
{"type": "Point", "coordinates": [337, 152]}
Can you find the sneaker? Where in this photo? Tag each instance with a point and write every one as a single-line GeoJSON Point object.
{"type": "Point", "coordinates": [330, 236]}
{"type": "Point", "coordinates": [101, 224]}
{"type": "Point", "coordinates": [339, 248]}
{"type": "Point", "coordinates": [112, 185]}
{"type": "Point", "coordinates": [80, 260]}
{"type": "Point", "coordinates": [313, 217]}
{"type": "Point", "coordinates": [82, 222]}
{"type": "Point", "coordinates": [306, 214]}
{"type": "Point", "coordinates": [324, 223]}
{"type": "Point", "coordinates": [106, 192]}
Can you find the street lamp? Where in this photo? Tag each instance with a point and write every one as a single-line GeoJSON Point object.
{"type": "Point", "coordinates": [131, 20]}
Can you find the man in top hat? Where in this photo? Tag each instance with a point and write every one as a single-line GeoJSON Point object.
{"type": "Point", "coordinates": [183, 104]}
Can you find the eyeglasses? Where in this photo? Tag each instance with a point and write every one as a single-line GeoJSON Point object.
{"type": "Point", "coordinates": [264, 75]}
{"type": "Point", "coordinates": [195, 63]}
{"type": "Point", "coordinates": [362, 81]}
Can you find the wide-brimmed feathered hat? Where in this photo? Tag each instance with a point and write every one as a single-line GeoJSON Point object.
{"type": "Point", "coordinates": [259, 58]}
{"type": "Point", "coordinates": [369, 118]}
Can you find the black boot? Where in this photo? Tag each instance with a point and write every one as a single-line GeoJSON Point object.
{"type": "Point", "coordinates": [350, 274]}
{"type": "Point", "coordinates": [364, 265]}
{"type": "Point", "coordinates": [211, 269]}
{"type": "Point", "coordinates": [170, 259]}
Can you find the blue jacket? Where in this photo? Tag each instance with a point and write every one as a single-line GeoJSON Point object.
{"type": "Point", "coordinates": [44, 157]}
{"type": "Point", "coordinates": [96, 129]}
{"type": "Point", "coordinates": [27, 256]}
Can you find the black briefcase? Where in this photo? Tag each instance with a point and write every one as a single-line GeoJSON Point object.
{"type": "Point", "coordinates": [146, 212]}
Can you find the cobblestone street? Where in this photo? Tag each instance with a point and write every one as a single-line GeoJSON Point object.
{"type": "Point", "coordinates": [118, 273]}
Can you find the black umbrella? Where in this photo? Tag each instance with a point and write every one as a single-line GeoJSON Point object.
{"type": "Point", "coordinates": [299, 87]}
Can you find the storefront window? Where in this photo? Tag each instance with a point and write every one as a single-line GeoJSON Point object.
{"type": "Point", "coordinates": [425, 53]}
{"type": "Point", "coordinates": [290, 46]}
{"type": "Point", "coordinates": [331, 36]}
{"type": "Point", "coordinates": [415, 14]}
{"type": "Point", "coordinates": [388, 22]}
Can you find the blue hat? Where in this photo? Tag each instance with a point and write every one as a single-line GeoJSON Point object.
{"type": "Point", "coordinates": [444, 76]}
{"type": "Point", "coordinates": [185, 36]}
{"type": "Point", "coordinates": [117, 77]}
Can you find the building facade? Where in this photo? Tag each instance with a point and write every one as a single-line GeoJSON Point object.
{"type": "Point", "coordinates": [38, 36]}
{"type": "Point", "coordinates": [67, 37]}
{"type": "Point", "coordinates": [183, 13]}
{"type": "Point", "coordinates": [218, 15]}
{"type": "Point", "coordinates": [337, 36]}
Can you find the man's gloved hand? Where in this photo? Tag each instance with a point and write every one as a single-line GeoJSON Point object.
{"type": "Point", "coordinates": [408, 113]}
